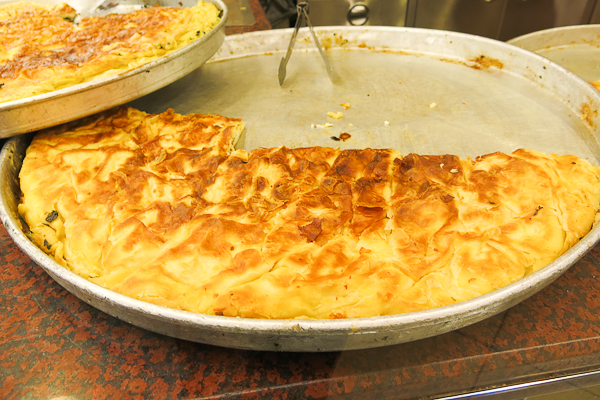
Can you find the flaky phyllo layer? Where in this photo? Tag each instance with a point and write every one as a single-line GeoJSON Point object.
{"type": "Point", "coordinates": [42, 50]}
{"type": "Point", "coordinates": [154, 207]}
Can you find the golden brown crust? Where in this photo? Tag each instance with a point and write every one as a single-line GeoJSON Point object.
{"type": "Point", "coordinates": [41, 50]}
{"type": "Point", "coordinates": [153, 207]}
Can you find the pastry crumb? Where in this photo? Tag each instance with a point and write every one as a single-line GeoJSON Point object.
{"type": "Point", "coordinates": [322, 126]}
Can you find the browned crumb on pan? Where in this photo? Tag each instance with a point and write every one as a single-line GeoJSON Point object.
{"type": "Point", "coordinates": [589, 114]}
{"type": "Point", "coordinates": [484, 62]}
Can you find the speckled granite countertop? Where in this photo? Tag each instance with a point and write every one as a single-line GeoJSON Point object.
{"type": "Point", "coordinates": [53, 345]}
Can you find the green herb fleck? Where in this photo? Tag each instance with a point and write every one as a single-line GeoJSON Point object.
{"type": "Point", "coordinates": [52, 216]}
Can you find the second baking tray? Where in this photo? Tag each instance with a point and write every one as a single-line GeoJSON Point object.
{"type": "Point", "coordinates": [68, 104]}
{"type": "Point", "coordinates": [576, 48]}
{"type": "Point", "coordinates": [415, 90]}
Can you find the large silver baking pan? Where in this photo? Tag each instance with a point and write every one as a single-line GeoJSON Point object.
{"type": "Point", "coordinates": [386, 74]}
{"type": "Point", "coordinates": [576, 48]}
{"type": "Point", "coordinates": [68, 104]}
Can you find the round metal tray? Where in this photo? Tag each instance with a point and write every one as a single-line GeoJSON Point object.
{"type": "Point", "coordinates": [438, 96]}
{"type": "Point", "coordinates": [576, 48]}
{"type": "Point", "coordinates": [68, 104]}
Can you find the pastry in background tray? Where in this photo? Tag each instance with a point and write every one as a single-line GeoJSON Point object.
{"type": "Point", "coordinates": [42, 50]}
{"type": "Point", "coordinates": [162, 209]}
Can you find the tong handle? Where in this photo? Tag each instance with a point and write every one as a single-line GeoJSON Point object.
{"type": "Point", "coordinates": [284, 60]}
{"type": "Point", "coordinates": [323, 55]}
{"type": "Point", "coordinates": [302, 9]}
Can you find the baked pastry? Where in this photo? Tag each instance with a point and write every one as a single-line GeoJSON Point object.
{"type": "Point", "coordinates": [42, 50]}
{"type": "Point", "coordinates": [159, 208]}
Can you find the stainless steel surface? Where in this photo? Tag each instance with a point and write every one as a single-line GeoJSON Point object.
{"type": "Point", "coordinates": [498, 19]}
{"type": "Point", "coordinates": [386, 74]}
{"type": "Point", "coordinates": [595, 14]}
{"type": "Point", "coordinates": [576, 48]}
{"type": "Point", "coordinates": [477, 17]}
{"type": "Point", "coordinates": [524, 16]}
{"type": "Point", "coordinates": [344, 12]}
{"type": "Point", "coordinates": [50, 109]}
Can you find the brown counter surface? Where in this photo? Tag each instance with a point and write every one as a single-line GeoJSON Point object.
{"type": "Point", "coordinates": [54, 346]}
{"type": "Point", "coordinates": [245, 16]}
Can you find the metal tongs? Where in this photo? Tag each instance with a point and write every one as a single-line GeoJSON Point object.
{"type": "Point", "coordinates": [302, 9]}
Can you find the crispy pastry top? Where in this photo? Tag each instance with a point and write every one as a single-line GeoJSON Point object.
{"type": "Point", "coordinates": [152, 206]}
{"type": "Point", "coordinates": [41, 50]}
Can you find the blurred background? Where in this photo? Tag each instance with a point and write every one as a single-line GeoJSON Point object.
{"type": "Point", "coordinates": [497, 19]}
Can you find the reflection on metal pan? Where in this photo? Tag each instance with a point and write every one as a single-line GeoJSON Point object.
{"type": "Point", "coordinates": [386, 74]}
